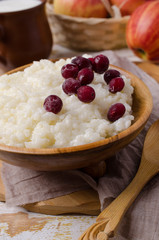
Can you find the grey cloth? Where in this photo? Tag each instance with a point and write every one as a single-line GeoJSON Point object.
{"type": "Point", "coordinates": [141, 222]}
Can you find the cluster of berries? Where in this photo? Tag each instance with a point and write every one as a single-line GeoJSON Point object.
{"type": "Point", "coordinates": [78, 74]}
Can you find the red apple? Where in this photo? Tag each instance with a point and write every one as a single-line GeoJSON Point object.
{"type": "Point", "coordinates": [80, 8]}
{"type": "Point", "coordinates": [142, 32]}
{"type": "Point", "coordinates": [127, 7]}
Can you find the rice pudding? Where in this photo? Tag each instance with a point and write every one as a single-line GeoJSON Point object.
{"type": "Point", "coordinates": [25, 122]}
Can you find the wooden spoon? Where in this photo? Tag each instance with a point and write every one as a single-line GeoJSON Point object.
{"type": "Point", "coordinates": [109, 219]}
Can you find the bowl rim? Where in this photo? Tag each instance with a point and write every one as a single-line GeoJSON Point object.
{"type": "Point", "coordinates": [60, 150]}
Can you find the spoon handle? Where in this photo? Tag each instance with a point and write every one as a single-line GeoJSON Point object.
{"type": "Point", "coordinates": [115, 211]}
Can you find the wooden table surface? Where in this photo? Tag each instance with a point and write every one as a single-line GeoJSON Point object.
{"type": "Point", "coordinates": [18, 224]}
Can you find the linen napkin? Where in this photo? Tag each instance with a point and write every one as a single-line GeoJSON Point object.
{"type": "Point", "coordinates": [141, 222]}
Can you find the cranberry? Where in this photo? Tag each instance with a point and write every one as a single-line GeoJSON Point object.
{"type": "Point", "coordinates": [69, 70]}
{"type": "Point", "coordinates": [53, 104]}
{"type": "Point", "coordinates": [85, 76]}
{"type": "Point", "coordinates": [115, 112]}
{"type": "Point", "coordinates": [86, 94]}
{"type": "Point", "coordinates": [91, 60]}
{"type": "Point", "coordinates": [116, 85]}
{"type": "Point", "coordinates": [70, 86]}
{"type": "Point", "coordinates": [100, 64]}
{"type": "Point", "coordinates": [82, 62]}
{"type": "Point", "coordinates": [110, 74]}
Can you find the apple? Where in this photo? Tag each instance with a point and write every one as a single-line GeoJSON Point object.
{"type": "Point", "coordinates": [80, 8]}
{"type": "Point", "coordinates": [142, 32]}
{"type": "Point", "coordinates": [127, 7]}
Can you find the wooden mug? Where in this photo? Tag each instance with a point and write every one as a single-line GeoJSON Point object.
{"type": "Point", "coordinates": [25, 35]}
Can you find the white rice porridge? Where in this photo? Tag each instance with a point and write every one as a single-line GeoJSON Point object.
{"type": "Point", "coordinates": [25, 123]}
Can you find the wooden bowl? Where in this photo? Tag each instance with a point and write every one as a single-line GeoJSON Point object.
{"type": "Point", "coordinates": [82, 156]}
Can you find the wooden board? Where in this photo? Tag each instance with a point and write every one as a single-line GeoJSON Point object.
{"type": "Point", "coordinates": [86, 201]}
{"type": "Point", "coordinates": [83, 202]}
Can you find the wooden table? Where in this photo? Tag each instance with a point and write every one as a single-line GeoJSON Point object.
{"type": "Point", "coordinates": [17, 223]}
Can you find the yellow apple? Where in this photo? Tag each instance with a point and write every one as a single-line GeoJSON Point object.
{"type": "Point", "coordinates": [80, 8]}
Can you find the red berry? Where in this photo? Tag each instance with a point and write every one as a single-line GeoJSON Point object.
{"type": "Point", "coordinates": [53, 104]}
{"type": "Point", "coordinates": [110, 74]}
{"type": "Point", "coordinates": [70, 86]}
{"type": "Point", "coordinates": [115, 112]}
{"type": "Point", "coordinates": [100, 63]}
{"type": "Point", "coordinates": [86, 94]}
{"type": "Point", "coordinates": [116, 85]}
{"type": "Point", "coordinates": [91, 60]}
{"type": "Point", "coordinates": [69, 70]}
{"type": "Point", "coordinates": [85, 76]}
{"type": "Point", "coordinates": [82, 62]}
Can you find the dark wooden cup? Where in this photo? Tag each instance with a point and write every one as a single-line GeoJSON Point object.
{"type": "Point", "coordinates": [25, 36]}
